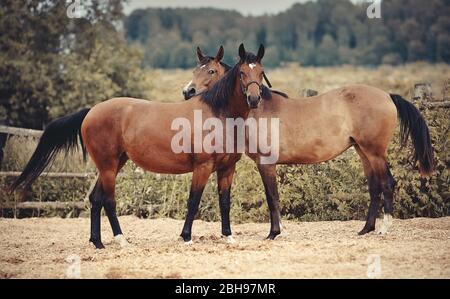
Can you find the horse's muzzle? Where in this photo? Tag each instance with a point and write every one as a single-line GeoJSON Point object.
{"type": "Point", "coordinates": [189, 93]}
{"type": "Point", "coordinates": [253, 101]}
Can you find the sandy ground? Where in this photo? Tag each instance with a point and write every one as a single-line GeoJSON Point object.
{"type": "Point", "coordinates": [39, 248]}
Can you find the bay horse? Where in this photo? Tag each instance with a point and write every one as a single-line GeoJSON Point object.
{"type": "Point", "coordinates": [119, 129]}
{"type": "Point", "coordinates": [320, 128]}
{"type": "Point", "coordinates": [209, 70]}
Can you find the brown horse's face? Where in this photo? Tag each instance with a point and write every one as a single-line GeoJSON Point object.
{"type": "Point", "coordinates": [251, 77]}
{"type": "Point", "coordinates": [205, 75]}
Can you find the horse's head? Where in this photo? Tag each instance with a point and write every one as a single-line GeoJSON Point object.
{"type": "Point", "coordinates": [208, 71]}
{"type": "Point", "coordinates": [251, 75]}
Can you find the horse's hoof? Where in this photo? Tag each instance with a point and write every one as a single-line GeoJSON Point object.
{"type": "Point", "coordinates": [97, 244]}
{"type": "Point", "coordinates": [120, 239]}
{"type": "Point", "coordinates": [384, 229]}
{"type": "Point", "coordinates": [365, 231]}
{"type": "Point", "coordinates": [272, 235]}
{"type": "Point", "coordinates": [188, 243]}
{"type": "Point", "coordinates": [229, 239]}
{"type": "Point", "coordinates": [382, 232]}
{"type": "Point", "coordinates": [385, 225]}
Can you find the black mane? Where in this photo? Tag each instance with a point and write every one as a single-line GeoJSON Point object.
{"type": "Point", "coordinates": [218, 96]}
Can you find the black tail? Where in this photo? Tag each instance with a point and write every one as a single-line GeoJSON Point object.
{"type": "Point", "coordinates": [412, 123]}
{"type": "Point", "coordinates": [60, 135]}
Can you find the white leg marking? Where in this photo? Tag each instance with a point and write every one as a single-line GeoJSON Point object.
{"type": "Point", "coordinates": [283, 231]}
{"type": "Point", "coordinates": [120, 239]}
{"type": "Point", "coordinates": [387, 223]}
{"type": "Point", "coordinates": [229, 239]}
{"type": "Point", "coordinates": [189, 243]}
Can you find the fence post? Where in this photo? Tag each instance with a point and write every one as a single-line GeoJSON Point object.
{"type": "Point", "coordinates": [422, 92]}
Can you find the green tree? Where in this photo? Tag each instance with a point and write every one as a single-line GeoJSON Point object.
{"type": "Point", "coordinates": [51, 65]}
{"type": "Point", "coordinates": [327, 52]}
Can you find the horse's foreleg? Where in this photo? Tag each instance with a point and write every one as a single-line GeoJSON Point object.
{"type": "Point", "coordinates": [225, 180]}
{"type": "Point", "coordinates": [200, 177]}
{"type": "Point", "coordinates": [269, 177]}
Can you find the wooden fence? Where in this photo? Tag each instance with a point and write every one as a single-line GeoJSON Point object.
{"type": "Point", "coordinates": [80, 205]}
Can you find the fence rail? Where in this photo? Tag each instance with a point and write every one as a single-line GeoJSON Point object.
{"type": "Point", "coordinates": [20, 131]}
{"type": "Point", "coordinates": [42, 205]}
{"type": "Point", "coordinates": [50, 174]}
{"type": "Point", "coordinates": [437, 105]}
{"type": "Point", "coordinates": [62, 175]}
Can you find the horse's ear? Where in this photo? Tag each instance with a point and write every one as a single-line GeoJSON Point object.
{"type": "Point", "coordinates": [219, 54]}
{"type": "Point", "coordinates": [200, 55]}
{"type": "Point", "coordinates": [242, 52]}
{"type": "Point", "coordinates": [261, 52]}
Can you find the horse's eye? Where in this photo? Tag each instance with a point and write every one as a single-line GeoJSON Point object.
{"type": "Point", "coordinates": [211, 72]}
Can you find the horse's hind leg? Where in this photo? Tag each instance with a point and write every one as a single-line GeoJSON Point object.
{"type": "Point", "coordinates": [388, 185]}
{"type": "Point", "coordinates": [109, 202]}
{"type": "Point", "coordinates": [96, 208]}
{"type": "Point", "coordinates": [375, 189]}
{"type": "Point", "coordinates": [103, 196]}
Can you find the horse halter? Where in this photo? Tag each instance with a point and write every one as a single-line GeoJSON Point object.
{"type": "Point", "coordinates": [245, 87]}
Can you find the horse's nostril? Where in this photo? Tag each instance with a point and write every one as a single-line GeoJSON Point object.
{"type": "Point", "coordinates": [191, 92]}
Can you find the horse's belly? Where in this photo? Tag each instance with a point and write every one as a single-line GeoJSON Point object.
{"type": "Point", "coordinates": [162, 163]}
{"type": "Point", "coordinates": [314, 151]}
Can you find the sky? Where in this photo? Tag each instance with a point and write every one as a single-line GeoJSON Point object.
{"type": "Point", "coordinates": [246, 7]}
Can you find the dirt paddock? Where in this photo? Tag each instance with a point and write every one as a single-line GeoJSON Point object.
{"type": "Point", "coordinates": [39, 248]}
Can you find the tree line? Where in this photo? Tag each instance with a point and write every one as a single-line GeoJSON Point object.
{"type": "Point", "coordinates": [318, 33]}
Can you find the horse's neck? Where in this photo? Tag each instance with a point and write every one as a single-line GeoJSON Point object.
{"type": "Point", "coordinates": [237, 105]}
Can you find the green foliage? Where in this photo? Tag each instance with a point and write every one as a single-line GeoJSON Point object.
{"type": "Point", "coordinates": [51, 65]}
{"type": "Point", "coordinates": [324, 32]}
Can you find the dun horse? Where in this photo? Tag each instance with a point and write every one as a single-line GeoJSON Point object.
{"type": "Point", "coordinates": [320, 128]}
{"type": "Point", "coordinates": [124, 128]}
